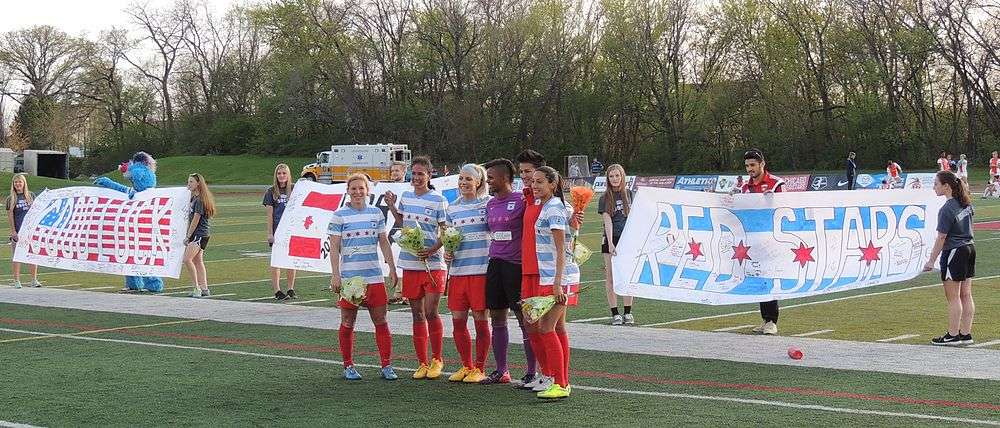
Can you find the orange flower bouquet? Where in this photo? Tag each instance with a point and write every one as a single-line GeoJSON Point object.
{"type": "Point", "coordinates": [579, 197]}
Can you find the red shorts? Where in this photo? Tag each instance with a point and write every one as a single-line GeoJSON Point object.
{"type": "Point", "coordinates": [574, 298]}
{"type": "Point", "coordinates": [467, 292]}
{"type": "Point", "coordinates": [374, 297]}
{"type": "Point", "coordinates": [529, 285]}
{"type": "Point", "coordinates": [417, 283]}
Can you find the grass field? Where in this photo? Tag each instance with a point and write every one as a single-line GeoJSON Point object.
{"type": "Point", "coordinates": [188, 373]}
{"type": "Point", "coordinates": [242, 169]}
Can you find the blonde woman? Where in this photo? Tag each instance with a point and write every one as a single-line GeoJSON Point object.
{"type": "Point", "coordinates": [275, 199]}
{"type": "Point", "coordinates": [202, 209]}
{"type": "Point", "coordinates": [614, 207]}
{"type": "Point", "coordinates": [18, 203]}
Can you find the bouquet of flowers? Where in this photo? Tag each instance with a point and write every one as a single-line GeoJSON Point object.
{"type": "Point", "coordinates": [534, 308]}
{"type": "Point", "coordinates": [581, 253]}
{"type": "Point", "coordinates": [411, 240]}
{"type": "Point", "coordinates": [353, 290]}
{"type": "Point", "coordinates": [579, 197]}
{"type": "Point", "coordinates": [452, 239]}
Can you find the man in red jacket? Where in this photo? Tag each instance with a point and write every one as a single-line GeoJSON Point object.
{"type": "Point", "coordinates": [762, 181]}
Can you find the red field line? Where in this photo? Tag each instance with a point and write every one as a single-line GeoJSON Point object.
{"type": "Point", "coordinates": [987, 225]}
{"type": "Point", "coordinates": [268, 344]}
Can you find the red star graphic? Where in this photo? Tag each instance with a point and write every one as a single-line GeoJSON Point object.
{"type": "Point", "coordinates": [803, 254]}
{"type": "Point", "coordinates": [741, 253]}
{"type": "Point", "coordinates": [870, 253]}
{"type": "Point", "coordinates": [694, 249]}
{"type": "Point", "coordinates": [308, 222]}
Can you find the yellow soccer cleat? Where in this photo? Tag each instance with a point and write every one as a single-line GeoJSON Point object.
{"type": "Point", "coordinates": [437, 366]}
{"type": "Point", "coordinates": [475, 376]}
{"type": "Point", "coordinates": [421, 372]}
{"type": "Point", "coordinates": [554, 392]}
{"type": "Point", "coordinates": [460, 374]}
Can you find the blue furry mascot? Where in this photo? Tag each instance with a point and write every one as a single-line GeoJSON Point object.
{"type": "Point", "coordinates": [141, 171]}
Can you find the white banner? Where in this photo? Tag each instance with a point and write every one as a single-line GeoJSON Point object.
{"type": "Point", "coordinates": [92, 229]}
{"type": "Point", "coordinates": [601, 183]}
{"type": "Point", "coordinates": [718, 249]}
{"type": "Point", "coordinates": [301, 241]}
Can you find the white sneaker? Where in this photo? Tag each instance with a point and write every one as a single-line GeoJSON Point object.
{"type": "Point", "coordinates": [534, 382]}
{"type": "Point", "coordinates": [36, 284]}
{"type": "Point", "coordinates": [759, 329]}
{"type": "Point", "coordinates": [629, 319]}
{"type": "Point", "coordinates": [616, 320]}
{"type": "Point", "coordinates": [206, 293]}
{"type": "Point", "coordinates": [17, 284]}
{"type": "Point", "coordinates": [769, 328]}
{"type": "Point", "coordinates": [544, 384]}
{"type": "Point", "coordinates": [196, 292]}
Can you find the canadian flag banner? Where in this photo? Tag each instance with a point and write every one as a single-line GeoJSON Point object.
{"type": "Point", "coordinates": [301, 241]}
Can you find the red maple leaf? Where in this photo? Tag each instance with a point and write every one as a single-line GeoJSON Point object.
{"type": "Point", "coordinates": [869, 253]}
{"type": "Point", "coordinates": [741, 252]}
{"type": "Point", "coordinates": [803, 254]}
{"type": "Point", "coordinates": [308, 222]}
{"type": "Point", "coordinates": [694, 249]}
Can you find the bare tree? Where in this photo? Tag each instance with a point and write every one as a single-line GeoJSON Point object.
{"type": "Point", "coordinates": [166, 31]}
{"type": "Point", "coordinates": [43, 58]}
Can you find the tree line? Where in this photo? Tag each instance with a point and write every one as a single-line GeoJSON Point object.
{"type": "Point", "coordinates": [657, 85]}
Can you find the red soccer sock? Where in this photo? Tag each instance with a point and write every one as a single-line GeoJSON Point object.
{"type": "Point", "coordinates": [463, 341]}
{"type": "Point", "coordinates": [538, 345]}
{"type": "Point", "coordinates": [483, 340]}
{"type": "Point", "coordinates": [564, 342]}
{"type": "Point", "coordinates": [346, 336]}
{"type": "Point", "coordinates": [383, 340]}
{"type": "Point", "coordinates": [420, 340]}
{"type": "Point", "coordinates": [436, 330]}
{"type": "Point", "coordinates": [553, 353]}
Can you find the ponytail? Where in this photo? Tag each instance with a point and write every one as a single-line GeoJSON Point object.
{"type": "Point", "coordinates": [959, 189]}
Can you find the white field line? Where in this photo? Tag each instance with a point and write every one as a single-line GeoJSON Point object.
{"type": "Point", "coordinates": [812, 333]}
{"type": "Point", "coordinates": [61, 286]}
{"type": "Point", "coordinates": [307, 301]}
{"type": "Point", "coordinates": [98, 288]}
{"type": "Point", "coordinates": [591, 319]}
{"type": "Point", "coordinates": [818, 302]}
{"type": "Point", "coordinates": [984, 344]}
{"type": "Point", "coordinates": [739, 327]}
{"type": "Point", "coordinates": [242, 282]}
{"type": "Point", "coordinates": [903, 337]}
{"type": "Point", "coordinates": [219, 295]}
{"type": "Point", "coordinates": [254, 299]}
{"type": "Point", "coordinates": [6, 424]}
{"type": "Point", "coordinates": [815, 407]}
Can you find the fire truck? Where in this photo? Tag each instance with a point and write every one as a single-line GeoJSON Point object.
{"type": "Point", "coordinates": [336, 165]}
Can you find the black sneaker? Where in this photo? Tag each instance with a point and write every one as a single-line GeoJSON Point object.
{"type": "Point", "coordinates": [966, 338]}
{"type": "Point", "coordinates": [947, 340]}
{"type": "Point", "coordinates": [496, 377]}
{"type": "Point", "coordinates": [291, 293]}
{"type": "Point", "coordinates": [278, 295]}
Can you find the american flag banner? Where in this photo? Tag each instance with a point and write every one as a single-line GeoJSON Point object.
{"type": "Point", "coordinates": [92, 229]}
{"type": "Point", "coordinates": [301, 241]}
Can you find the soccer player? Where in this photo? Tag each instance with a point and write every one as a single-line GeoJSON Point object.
{"type": "Point", "coordinates": [559, 276]}
{"type": "Point", "coordinates": [423, 273]}
{"type": "Point", "coordinates": [762, 181]}
{"type": "Point", "coordinates": [995, 167]}
{"type": "Point", "coordinates": [467, 284]}
{"type": "Point", "coordinates": [943, 163]}
{"type": "Point", "coordinates": [357, 232]}
{"type": "Point", "coordinates": [963, 169]}
{"type": "Point", "coordinates": [957, 261]}
{"type": "Point", "coordinates": [894, 173]}
{"type": "Point", "coordinates": [505, 214]}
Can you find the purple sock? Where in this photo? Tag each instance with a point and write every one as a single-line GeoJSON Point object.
{"type": "Point", "coordinates": [529, 354]}
{"type": "Point", "coordinates": [500, 341]}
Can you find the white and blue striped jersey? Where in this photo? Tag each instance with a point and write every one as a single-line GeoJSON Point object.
{"type": "Point", "coordinates": [425, 212]}
{"type": "Point", "coordinates": [473, 254]}
{"type": "Point", "coordinates": [555, 216]}
{"type": "Point", "coordinates": [358, 231]}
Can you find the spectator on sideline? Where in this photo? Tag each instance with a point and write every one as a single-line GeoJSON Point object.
{"type": "Point", "coordinates": [275, 199]}
{"type": "Point", "coordinates": [852, 170]}
{"type": "Point", "coordinates": [957, 260]}
{"type": "Point", "coordinates": [894, 173]}
{"type": "Point", "coordinates": [942, 162]}
{"type": "Point", "coordinates": [613, 207]}
{"type": "Point", "coordinates": [595, 168]}
{"type": "Point", "coordinates": [762, 181]}
{"type": "Point", "coordinates": [18, 203]}
{"type": "Point", "coordinates": [963, 169]}
{"type": "Point", "coordinates": [202, 209]}
{"type": "Point", "coordinates": [397, 174]}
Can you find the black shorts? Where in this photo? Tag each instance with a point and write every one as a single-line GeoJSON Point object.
{"type": "Point", "coordinates": [958, 264]}
{"type": "Point", "coordinates": [604, 243]}
{"type": "Point", "coordinates": [202, 241]}
{"type": "Point", "coordinates": [503, 285]}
